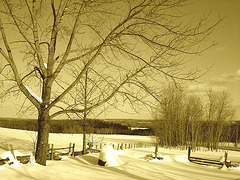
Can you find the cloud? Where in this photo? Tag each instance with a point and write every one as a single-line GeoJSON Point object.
{"type": "Point", "coordinates": [204, 87]}
{"type": "Point", "coordinates": [225, 79]}
{"type": "Point", "coordinates": [222, 82]}
{"type": "Point", "coordinates": [238, 75]}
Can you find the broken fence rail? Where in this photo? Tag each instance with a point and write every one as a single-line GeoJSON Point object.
{"type": "Point", "coordinates": [204, 161]}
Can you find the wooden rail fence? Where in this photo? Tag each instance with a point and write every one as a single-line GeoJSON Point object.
{"type": "Point", "coordinates": [54, 153]}
{"type": "Point", "coordinates": [54, 156]}
{"type": "Point", "coordinates": [212, 162]}
{"type": "Point", "coordinates": [121, 146]}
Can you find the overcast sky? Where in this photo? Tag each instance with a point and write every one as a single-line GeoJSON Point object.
{"type": "Point", "coordinates": [224, 58]}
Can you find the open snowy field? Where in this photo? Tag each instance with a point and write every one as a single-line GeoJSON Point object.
{"type": "Point", "coordinates": [174, 165]}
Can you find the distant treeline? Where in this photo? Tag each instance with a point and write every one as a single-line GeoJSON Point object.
{"type": "Point", "coordinates": [75, 126]}
{"type": "Point", "coordinates": [197, 134]}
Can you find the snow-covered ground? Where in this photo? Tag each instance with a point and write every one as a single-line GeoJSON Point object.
{"type": "Point", "coordinates": [174, 165]}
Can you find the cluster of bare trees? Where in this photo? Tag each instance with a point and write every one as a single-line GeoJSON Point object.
{"type": "Point", "coordinates": [124, 48]}
{"type": "Point", "coordinates": [191, 120]}
{"type": "Point", "coordinates": [219, 111]}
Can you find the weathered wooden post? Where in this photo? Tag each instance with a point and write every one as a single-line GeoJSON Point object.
{"type": "Point", "coordinates": [156, 150]}
{"type": "Point", "coordinates": [118, 147]}
{"type": "Point", "coordinates": [69, 148]}
{"type": "Point", "coordinates": [11, 150]}
{"type": "Point", "coordinates": [225, 158]}
{"type": "Point", "coordinates": [73, 147]}
{"type": "Point", "coordinates": [52, 157]}
{"type": "Point", "coordinates": [122, 146]}
{"type": "Point", "coordinates": [189, 153]}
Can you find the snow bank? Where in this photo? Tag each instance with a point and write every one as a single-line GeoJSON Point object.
{"type": "Point", "coordinates": [8, 154]}
{"type": "Point", "coordinates": [13, 162]}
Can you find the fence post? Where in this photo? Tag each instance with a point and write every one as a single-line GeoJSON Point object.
{"type": "Point", "coordinates": [156, 150]}
{"type": "Point", "coordinates": [121, 147]}
{"type": "Point", "coordinates": [69, 150]}
{"type": "Point", "coordinates": [189, 153]}
{"type": "Point", "coordinates": [11, 150]}
{"type": "Point", "coordinates": [225, 158]}
{"type": "Point", "coordinates": [52, 158]}
{"type": "Point", "coordinates": [118, 147]}
{"type": "Point", "coordinates": [73, 147]}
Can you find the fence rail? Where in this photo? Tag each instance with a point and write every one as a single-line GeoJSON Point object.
{"type": "Point", "coordinates": [52, 150]}
{"type": "Point", "coordinates": [96, 148]}
{"type": "Point", "coordinates": [229, 148]}
{"type": "Point", "coordinates": [204, 161]}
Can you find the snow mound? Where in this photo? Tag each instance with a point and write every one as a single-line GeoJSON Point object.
{"type": "Point", "coordinates": [13, 162]}
{"type": "Point", "coordinates": [109, 157]}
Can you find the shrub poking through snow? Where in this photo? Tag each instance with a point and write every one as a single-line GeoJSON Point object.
{"type": "Point", "coordinates": [152, 156]}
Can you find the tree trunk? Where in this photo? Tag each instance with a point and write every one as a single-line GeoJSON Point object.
{"type": "Point", "coordinates": [43, 136]}
{"type": "Point", "coordinates": [236, 141]}
{"type": "Point", "coordinates": [84, 140]}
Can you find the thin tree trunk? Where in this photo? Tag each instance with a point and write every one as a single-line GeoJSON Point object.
{"type": "Point", "coordinates": [236, 140]}
{"type": "Point", "coordinates": [85, 113]}
{"type": "Point", "coordinates": [84, 140]}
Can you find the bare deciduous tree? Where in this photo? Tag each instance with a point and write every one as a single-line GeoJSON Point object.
{"type": "Point", "coordinates": [171, 108]}
{"type": "Point", "coordinates": [132, 45]}
{"type": "Point", "coordinates": [219, 111]}
{"type": "Point", "coordinates": [193, 113]}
